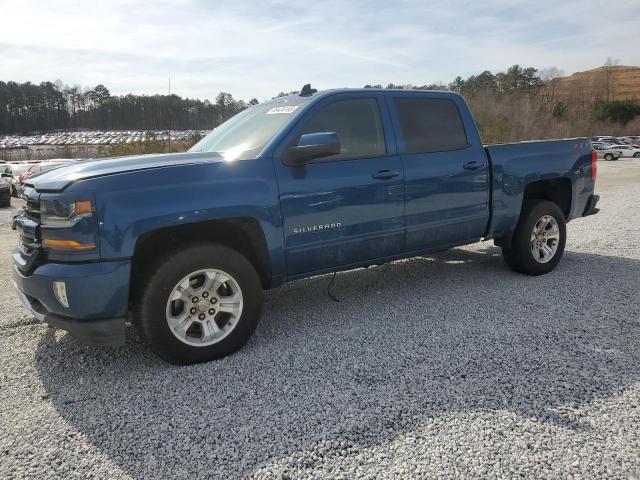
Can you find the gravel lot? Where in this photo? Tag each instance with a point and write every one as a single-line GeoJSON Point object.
{"type": "Point", "coordinates": [441, 366]}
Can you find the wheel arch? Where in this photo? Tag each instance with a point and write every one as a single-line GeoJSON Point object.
{"type": "Point", "coordinates": [242, 234]}
{"type": "Point", "coordinates": [558, 190]}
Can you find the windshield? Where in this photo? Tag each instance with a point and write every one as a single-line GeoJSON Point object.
{"type": "Point", "coordinates": [246, 134]}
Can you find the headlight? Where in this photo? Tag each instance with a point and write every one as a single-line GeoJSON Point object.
{"type": "Point", "coordinates": [60, 213]}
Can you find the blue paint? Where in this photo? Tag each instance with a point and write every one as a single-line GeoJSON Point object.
{"type": "Point", "coordinates": [317, 217]}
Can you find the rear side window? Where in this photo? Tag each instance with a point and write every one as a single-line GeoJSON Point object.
{"type": "Point", "coordinates": [358, 125]}
{"type": "Point", "coordinates": [430, 124]}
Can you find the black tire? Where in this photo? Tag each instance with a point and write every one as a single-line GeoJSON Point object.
{"type": "Point", "coordinates": [636, 155]}
{"type": "Point", "coordinates": [149, 309]}
{"type": "Point", "coordinates": [519, 256]}
{"type": "Point", "coordinates": [608, 157]}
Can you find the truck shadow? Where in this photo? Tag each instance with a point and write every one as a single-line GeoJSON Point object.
{"type": "Point", "coordinates": [408, 341]}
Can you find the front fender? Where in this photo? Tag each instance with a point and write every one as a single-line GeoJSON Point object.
{"type": "Point", "coordinates": [134, 203]}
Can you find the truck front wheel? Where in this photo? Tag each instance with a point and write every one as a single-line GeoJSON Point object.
{"type": "Point", "coordinates": [199, 304]}
{"type": "Point", "coordinates": [538, 242]}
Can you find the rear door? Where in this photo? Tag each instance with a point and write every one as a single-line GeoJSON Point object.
{"type": "Point", "coordinates": [346, 208]}
{"type": "Point", "coordinates": [446, 170]}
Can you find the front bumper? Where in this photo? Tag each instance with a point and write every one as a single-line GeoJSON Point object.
{"type": "Point", "coordinates": [590, 207]}
{"type": "Point", "coordinates": [98, 296]}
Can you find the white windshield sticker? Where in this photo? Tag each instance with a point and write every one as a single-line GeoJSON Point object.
{"type": "Point", "coordinates": [281, 110]}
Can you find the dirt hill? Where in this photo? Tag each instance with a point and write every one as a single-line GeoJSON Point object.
{"type": "Point", "coordinates": [603, 83]}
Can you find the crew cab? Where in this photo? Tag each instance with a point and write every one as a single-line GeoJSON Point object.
{"type": "Point", "coordinates": [185, 244]}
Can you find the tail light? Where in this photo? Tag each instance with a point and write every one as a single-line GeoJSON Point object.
{"type": "Point", "coordinates": [594, 165]}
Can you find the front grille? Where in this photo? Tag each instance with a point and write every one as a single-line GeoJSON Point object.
{"type": "Point", "coordinates": [28, 226]}
{"type": "Point", "coordinates": [28, 245]}
{"type": "Point", "coordinates": [32, 210]}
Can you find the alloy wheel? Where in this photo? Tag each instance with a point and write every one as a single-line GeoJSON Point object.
{"type": "Point", "coordinates": [545, 238]}
{"type": "Point", "coordinates": [204, 307]}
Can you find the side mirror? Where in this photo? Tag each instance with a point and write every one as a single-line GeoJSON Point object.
{"type": "Point", "coordinates": [312, 146]}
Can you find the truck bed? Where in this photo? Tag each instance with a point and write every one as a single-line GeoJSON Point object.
{"type": "Point", "coordinates": [515, 166]}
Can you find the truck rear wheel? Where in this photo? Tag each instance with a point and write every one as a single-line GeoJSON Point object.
{"type": "Point", "coordinates": [539, 240]}
{"type": "Point", "coordinates": [199, 304]}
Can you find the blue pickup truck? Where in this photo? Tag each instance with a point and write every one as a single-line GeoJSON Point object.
{"type": "Point", "coordinates": [185, 244]}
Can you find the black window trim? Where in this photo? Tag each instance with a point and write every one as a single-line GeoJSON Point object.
{"type": "Point", "coordinates": [402, 151]}
{"type": "Point", "coordinates": [303, 123]}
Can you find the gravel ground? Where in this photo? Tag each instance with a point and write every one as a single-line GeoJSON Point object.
{"type": "Point", "coordinates": [442, 366]}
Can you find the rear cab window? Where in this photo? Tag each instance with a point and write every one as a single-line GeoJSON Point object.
{"type": "Point", "coordinates": [430, 124]}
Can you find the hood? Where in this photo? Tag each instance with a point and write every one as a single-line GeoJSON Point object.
{"type": "Point", "coordinates": [59, 178]}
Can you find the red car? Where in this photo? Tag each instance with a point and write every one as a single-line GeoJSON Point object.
{"type": "Point", "coordinates": [39, 168]}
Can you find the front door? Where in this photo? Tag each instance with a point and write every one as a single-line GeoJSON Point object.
{"type": "Point", "coordinates": [347, 208]}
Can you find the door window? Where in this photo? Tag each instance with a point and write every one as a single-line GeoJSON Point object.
{"type": "Point", "coordinates": [358, 125]}
{"type": "Point", "coordinates": [430, 124]}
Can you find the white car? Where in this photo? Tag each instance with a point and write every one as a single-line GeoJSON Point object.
{"type": "Point", "coordinates": [11, 172]}
{"type": "Point", "coordinates": [604, 151]}
{"type": "Point", "coordinates": [610, 140]}
{"type": "Point", "coordinates": [628, 150]}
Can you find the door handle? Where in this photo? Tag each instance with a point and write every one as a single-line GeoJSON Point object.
{"type": "Point", "coordinates": [385, 174]}
{"type": "Point", "coordinates": [472, 165]}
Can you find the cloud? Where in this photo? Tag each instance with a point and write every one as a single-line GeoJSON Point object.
{"type": "Point", "coordinates": [258, 48]}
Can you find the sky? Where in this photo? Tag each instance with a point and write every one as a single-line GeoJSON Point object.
{"type": "Point", "coordinates": [259, 48]}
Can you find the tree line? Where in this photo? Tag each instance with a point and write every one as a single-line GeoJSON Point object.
{"type": "Point", "coordinates": [27, 107]}
{"type": "Point", "coordinates": [527, 104]}
{"type": "Point", "coordinates": [520, 103]}
{"type": "Point", "coordinates": [515, 79]}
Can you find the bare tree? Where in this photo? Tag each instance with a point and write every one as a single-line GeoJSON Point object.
{"type": "Point", "coordinates": [608, 63]}
{"type": "Point", "coordinates": [550, 73]}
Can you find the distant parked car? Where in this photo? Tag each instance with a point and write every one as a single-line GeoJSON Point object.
{"type": "Point", "coordinates": [628, 150]}
{"type": "Point", "coordinates": [606, 152]}
{"type": "Point", "coordinates": [5, 194]}
{"type": "Point", "coordinates": [11, 174]}
{"type": "Point", "coordinates": [42, 167]}
{"type": "Point", "coordinates": [39, 168]}
{"type": "Point", "coordinates": [610, 141]}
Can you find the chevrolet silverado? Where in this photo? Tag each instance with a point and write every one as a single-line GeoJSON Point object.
{"type": "Point", "coordinates": [184, 244]}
